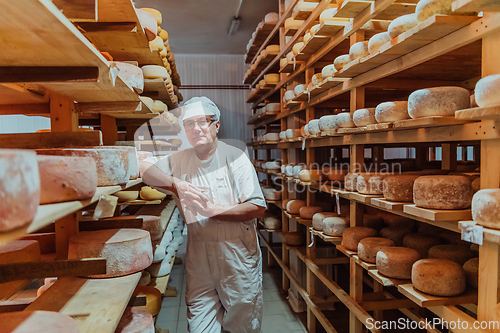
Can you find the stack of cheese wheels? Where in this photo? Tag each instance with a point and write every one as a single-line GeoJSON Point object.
{"type": "Point", "coordinates": [486, 92]}
{"type": "Point", "coordinates": [150, 223]}
{"type": "Point", "coordinates": [155, 72]}
{"type": "Point", "coordinates": [373, 221]}
{"type": "Point", "coordinates": [317, 219]}
{"type": "Point", "coordinates": [335, 226]}
{"type": "Point", "coordinates": [341, 61]}
{"type": "Point", "coordinates": [396, 262]}
{"type": "Point", "coordinates": [335, 174]}
{"type": "Point", "coordinates": [471, 268]}
{"type": "Point", "coordinates": [456, 253]}
{"type": "Point", "coordinates": [350, 181]}
{"type": "Point", "coordinates": [272, 223]}
{"type": "Point", "coordinates": [368, 248]}
{"type": "Point", "coordinates": [486, 208]}
{"type": "Point", "coordinates": [64, 178]}
{"type": "Point", "coordinates": [442, 192]}
{"type": "Point", "coordinates": [37, 321]}
{"type": "Point", "coordinates": [440, 101]}
{"type": "Point", "coordinates": [135, 320]}
{"type": "Point", "coordinates": [370, 182]}
{"type": "Point", "coordinates": [295, 238]}
{"type": "Point", "coordinates": [396, 234]}
{"type": "Point", "coordinates": [401, 24]}
{"type": "Point", "coordinates": [271, 193]}
{"type": "Point", "coordinates": [311, 175]}
{"type": "Point", "coordinates": [132, 75]}
{"type": "Point", "coordinates": [313, 127]}
{"type": "Point", "coordinates": [359, 50]}
{"type": "Point", "coordinates": [294, 206]}
{"type": "Point", "coordinates": [148, 23]}
{"type": "Point", "coordinates": [391, 111]}
{"type": "Point", "coordinates": [126, 250]}
{"type": "Point", "coordinates": [399, 188]}
{"type": "Point", "coordinates": [344, 120]}
{"type": "Point", "coordinates": [307, 212]}
{"type": "Point", "coordinates": [364, 117]}
{"type": "Point", "coordinates": [153, 298]}
{"type": "Point", "coordinates": [351, 236]}
{"type": "Point", "coordinates": [327, 123]}
{"type": "Point", "coordinates": [377, 41]}
{"type": "Point", "coordinates": [421, 242]}
{"type": "Point", "coordinates": [20, 188]}
{"type": "Point", "coordinates": [438, 277]}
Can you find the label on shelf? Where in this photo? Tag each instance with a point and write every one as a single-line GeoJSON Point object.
{"type": "Point", "coordinates": [312, 238]}
{"type": "Point", "coordinates": [338, 202]}
{"type": "Point", "coordinates": [303, 143]}
{"type": "Point", "coordinates": [472, 233]}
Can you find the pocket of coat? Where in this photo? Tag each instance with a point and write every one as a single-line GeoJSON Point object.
{"type": "Point", "coordinates": [248, 237]}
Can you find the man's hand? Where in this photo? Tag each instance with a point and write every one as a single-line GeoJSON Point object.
{"type": "Point", "coordinates": [191, 196]}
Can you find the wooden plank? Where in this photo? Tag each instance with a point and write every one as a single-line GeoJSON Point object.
{"type": "Point", "coordinates": [66, 74]}
{"type": "Point", "coordinates": [490, 235]}
{"type": "Point", "coordinates": [364, 198]}
{"type": "Point", "coordinates": [491, 112]}
{"type": "Point", "coordinates": [453, 314]}
{"type": "Point", "coordinates": [51, 140]}
{"type": "Point", "coordinates": [345, 251]}
{"type": "Point", "coordinates": [331, 28]}
{"type": "Point", "coordinates": [312, 45]}
{"type": "Point", "coordinates": [387, 205]}
{"type": "Point", "coordinates": [380, 127]}
{"type": "Point", "coordinates": [352, 8]}
{"type": "Point", "coordinates": [366, 265]}
{"type": "Point", "coordinates": [11, 93]}
{"type": "Point", "coordinates": [63, 117]}
{"type": "Point", "coordinates": [46, 241]}
{"type": "Point", "coordinates": [26, 109]}
{"type": "Point", "coordinates": [351, 130]}
{"type": "Point", "coordinates": [435, 121]}
{"type": "Point", "coordinates": [78, 10]}
{"type": "Point", "coordinates": [129, 106]}
{"type": "Point", "coordinates": [111, 224]}
{"type": "Point", "coordinates": [109, 129]}
{"type": "Point", "coordinates": [95, 304]}
{"type": "Point", "coordinates": [396, 10]}
{"type": "Point", "coordinates": [384, 280]}
{"type": "Point", "coordinates": [468, 6]}
{"type": "Point", "coordinates": [107, 27]}
{"type": "Point", "coordinates": [425, 300]}
{"type": "Point", "coordinates": [158, 86]}
{"type": "Point", "coordinates": [438, 214]}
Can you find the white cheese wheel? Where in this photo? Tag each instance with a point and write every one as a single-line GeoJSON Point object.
{"type": "Point", "coordinates": [64, 178]}
{"type": "Point", "coordinates": [471, 268]}
{"type": "Point", "coordinates": [163, 268]}
{"type": "Point", "coordinates": [126, 250]}
{"type": "Point", "coordinates": [335, 226]}
{"type": "Point", "coordinates": [157, 44]}
{"type": "Point", "coordinates": [421, 243]}
{"type": "Point", "coordinates": [293, 206]}
{"type": "Point", "coordinates": [327, 15]}
{"type": "Point", "coordinates": [311, 175]}
{"type": "Point", "coordinates": [273, 107]}
{"type": "Point", "coordinates": [317, 219]}
{"type": "Point", "coordinates": [350, 181]}
{"type": "Point", "coordinates": [363, 117]}
{"type": "Point", "coordinates": [289, 57]}
{"type": "Point", "coordinates": [272, 136]}
{"type": "Point", "coordinates": [290, 23]}
{"type": "Point", "coordinates": [293, 133]}
{"type": "Point", "coordinates": [396, 262]}
{"type": "Point", "coordinates": [429, 8]}
{"type": "Point", "coordinates": [314, 29]}
{"type": "Point", "coordinates": [440, 101]}
{"type": "Point", "coordinates": [148, 101]}
{"type": "Point", "coordinates": [351, 236]}
{"type": "Point", "coordinates": [295, 238]}
{"type": "Point", "coordinates": [328, 71]}
{"type": "Point", "coordinates": [336, 174]}
{"type": "Point", "coordinates": [132, 75]}
{"type": "Point", "coordinates": [135, 320]}
{"type": "Point", "coordinates": [438, 277]}
{"type": "Point", "coordinates": [344, 120]}
{"type": "Point", "coordinates": [313, 127]}
{"type": "Point", "coordinates": [307, 212]}
{"type": "Point", "coordinates": [377, 41]}
{"type": "Point", "coordinates": [307, 37]}
{"type": "Point", "coordinates": [156, 14]}
{"type": "Point", "coordinates": [19, 188]}
{"type": "Point", "coordinates": [327, 122]}
{"type": "Point", "coordinates": [289, 172]}
{"type": "Point", "coordinates": [283, 62]}
{"type": "Point", "coordinates": [158, 254]}
{"type": "Point", "coordinates": [159, 107]}
{"type": "Point", "coordinates": [368, 248]}
{"type": "Point", "coordinates": [442, 192]}
{"type": "Point", "coordinates": [297, 169]}
{"type": "Point", "coordinates": [299, 89]}
{"type": "Point", "coordinates": [341, 61]}
{"type": "Point", "coordinates": [283, 135]}
{"type": "Point", "coordinates": [486, 92]}
{"type": "Point", "coordinates": [396, 234]}
{"type": "Point", "coordinates": [486, 208]}
{"type": "Point", "coordinates": [37, 321]}
{"type": "Point", "coordinates": [359, 50]}
{"type": "Point", "coordinates": [155, 72]}
{"type": "Point", "coordinates": [297, 47]}
{"type": "Point", "coordinates": [392, 111]}
{"type": "Point", "coordinates": [402, 24]}
{"type": "Point", "coordinates": [271, 193]}
{"type": "Point", "coordinates": [148, 23]}
{"type": "Point", "coordinates": [132, 163]}
{"type": "Point", "coordinates": [145, 279]}
{"type": "Point", "coordinates": [306, 130]}
{"type": "Point", "coordinates": [456, 253]}
{"type": "Point", "coordinates": [289, 95]}
{"type": "Point", "coordinates": [317, 79]}
{"type": "Point", "coordinates": [272, 223]}
{"type": "Point", "coordinates": [273, 49]}
{"type": "Point", "coordinates": [272, 78]}
{"type": "Point", "coordinates": [285, 202]}
{"type": "Point", "coordinates": [399, 188]}
{"type": "Point", "coordinates": [126, 195]}
{"type": "Point", "coordinates": [271, 17]}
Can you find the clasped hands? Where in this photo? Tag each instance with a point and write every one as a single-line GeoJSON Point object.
{"type": "Point", "coordinates": [194, 200]}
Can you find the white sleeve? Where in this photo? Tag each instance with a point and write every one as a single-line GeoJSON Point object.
{"type": "Point", "coordinates": [161, 163]}
{"type": "Point", "coordinates": [246, 182]}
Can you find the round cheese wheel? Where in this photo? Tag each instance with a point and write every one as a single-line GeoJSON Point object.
{"type": "Point", "coordinates": [300, 88]}
{"type": "Point", "coordinates": [363, 117]}
{"type": "Point", "coordinates": [428, 8]}
{"type": "Point", "coordinates": [295, 238]}
{"type": "Point", "coordinates": [271, 17]}
{"type": "Point", "coordinates": [438, 277]}
{"type": "Point", "coordinates": [391, 111]}
{"type": "Point", "coordinates": [163, 268]}
{"type": "Point", "coordinates": [283, 62]}
{"type": "Point", "coordinates": [314, 28]}
{"type": "Point", "coordinates": [456, 253]}
{"type": "Point", "coordinates": [454, 238]}
{"type": "Point", "coordinates": [422, 243]}
{"type": "Point", "coordinates": [272, 78]}
{"type": "Point", "coordinates": [142, 155]}
{"type": "Point", "coordinates": [153, 299]}
{"type": "Point", "coordinates": [327, 122]}
{"type": "Point", "coordinates": [373, 221]}
{"type": "Point", "coordinates": [159, 107]}
{"type": "Point", "coordinates": [289, 170]}
{"type": "Point", "coordinates": [37, 321]}
{"type": "Point", "coordinates": [359, 50]}
{"type": "Point", "coordinates": [297, 169]}
{"type": "Point", "coordinates": [317, 219]}
{"type": "Point", "coordinates": [262, 83]}
{"type": "Point", "coordinates": [317, 78]}
{"type": "Point", "coordinates": [285, 202]}
{"type": "Point", "coordinates": [313, 126]}
{"type": "Point", "coordinates": [150, 223]}
{"type": "Point", "coordinates": [377, 41]}
{"type": "Point", "coordinates": [157, 44]}
{"type": "Point", "coordinates": [132, 75]}
{"type": "Point", "coordinates": [293, 206]}
{"type": "Point", "coordinates": [126, 250]}
{"type": "Point", "coordinates": [155, 72]}
{"type": "Point", "coordinates": [370, 182]}
{"type": "Point", "coordinates": [159, 254]}
{"type": "Point", "coordinates": [156, 14]}
{"type": "Point", "coordinates": [440, 101]}
{"type": "Point", "coordinates": [396, 234]}
{"type": "Point", "coordinates": [289, 57]}
{"type": "Point", "coordinates": [442, 192]}
{"type": "Point", "coordinates": [396, 262]}
{"type": "Point", "coordinates": [486, 92]}
{"type": "Point", "coordinates": [297, 47]}
{"type": "Point", "coordinates": [289, 95]}
{"type": "Point", "coordinates": [471, 268]}
{"type": "Point", "coordinates": [311, 175]}
{"type": "Point", "coordinates": [335, 174]}
{"type": "Point", "coordinates": [306, 130]}
{"type": "Point", "coordinates": [148, 23]}
{"type": "Point", "coordinates": [307, 37]}
{"type": "Point", "coordinates": [344, 120]}
{"type": "Point", "coordinates": [272, 165]}
{"type": "Point", "coordinates": [271, 193]}
{"type": "Point", "coordinates": [307, 212]}
{"type": "Point", "coordinates": [486, 208]}
{"type": "Point", "coordinates": [350, 181]}
{"type": "Point", "coordinates": [272, 136]}
{"type": "Point", "coordinates": [368, 248]}
{"type": "Point", "coordinates": [273, 49]}
{"type": "Point", "coordinates": [163, 34]}
{"type": "Point", "coordinates": [272, 223]}
{"type": "Point", "coordinates": [335, 226]}
{"type": "Point", "coordinates": [290, 23]}
{"type": "Point", "coordinates": [135, 320]}
{"type": "Point", "coordinates": [293, 133]}
{"type": "Point", "coordinates": [341, 61]}
{"type": "Point", "coordinates": [272, 107]}
{"type": "Point", "coordinates": [351, 236]}
{"type": "Point", "coordinates": [145, 279]}
{"type": "Point", "coordinates": [399, 188]}
{"type": "Point", "coordinates": [327, 15]}
{"type": "Point", "coordinates": [401, 24]}
{"type": "Point", "coordinates": [148, 193]}
{"type": "Point", "coordinates": [328, 71]}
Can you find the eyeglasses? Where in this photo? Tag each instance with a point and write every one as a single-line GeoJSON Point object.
{"type": "Point", "coordinates": [202, 123]}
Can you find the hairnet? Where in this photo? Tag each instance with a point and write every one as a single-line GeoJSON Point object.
{"type": "Point", "coordinates": [198, 106]}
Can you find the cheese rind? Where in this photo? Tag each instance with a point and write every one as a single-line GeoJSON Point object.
{"type": "Point", "coordinates": [486, 91]}
{"type": "Point", "coordinates": [363, 117]}
{"type": "Point", "coordinates": [377, 41]}
{"type": "Point", "coordinates": [359, 50]}
{"type": "Point", "coordinates": [428, 8]}
{"type": "Point", "coordinates": [396, 262]}
{"type": "Point", "coordinates": [351, 236]}
{"type": "Point", "coordinates": [297, 47]}
{"type": "Point", "coordinates": [37, 321]}
{"type": "Point", "coordinates": [307, 212]}
{"type": "Point", "coordinates": [401, 24]}
{"type": "Point", "coordinates": [421, 243]}
{"type": "Point", "coordinates": [328, 71]}
{"type": "Point", "coordinates": [399, 187]}
{"type": "Point", "coordinates": [317, 219]}
{"type": "Point", "coordinates": [438, 277]}
{"type": "Point", "coordinates": [471, 268]}
{"type": "Point", "coordinates": [290, 23]}
{"type": "Point", "coordinates": [368, 248]}
{"type": "Point", "coordinates": [272, 223]}
{"type": "Point", "coordinates": [396, 234]}
{"type": "Point", "coordinates": [334, 225]}
{"type": "Point", "coordinates": [442, 192]}
{"type": "Point", "coordinates": [271, 193]}
{"type": "Point", "coordinates": [486, 208]}
{"type": "Point", "coordinates": [155, 72]}
{"type": "Point", "coordinates": [293, 206]}
{"type": "Point", "coordinates": [327, 122]}
{"type": "Point", "coordinates": [391, 111]}
{"type": "Point", "coordinates": [370, 183]}
{"type": "Point", "coordinates": [341, 61]}
{"type": "Point", "coordinates": [271, 17]}
{"type": "Point", "coordinates": [344, 120]}
{"type": "Point", "coordinates": [439, 101]}
{"type": "Point", "coordinates": [456, 253]}
{"type": "Point", "coordinates": [313, 127]}
{"type": "Point", "coordinates": [135, 320]}
{"type": "Point", "coordinates": [132, 75]}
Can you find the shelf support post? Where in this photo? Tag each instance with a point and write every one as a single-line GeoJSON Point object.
{"type": "Point", "coordinates": [63, 117]}
{"type": "Point", "coordinates": [109, 129]}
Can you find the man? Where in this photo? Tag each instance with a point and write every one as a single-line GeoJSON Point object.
{"type": "Point", "coordinates": [221, 197]}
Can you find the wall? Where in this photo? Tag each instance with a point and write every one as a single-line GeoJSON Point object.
{"type": "Point", "coordinates": [22, 124]}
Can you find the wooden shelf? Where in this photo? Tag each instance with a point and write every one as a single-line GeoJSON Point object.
{"type": "Point", "coordinates": [307, 223]}
{"type": "Point", "coordinates": [364, 198]}
{"type": "Point", "coordinates": [386, 281]}
{"type": "Point", "coordinates": [468, 6]}
{"type": "Point", "coordinates": [366, 265]}
{"type": "Point", "coordinates": [157, 89]}
{"type": "Point", "coordinates": [332, 239]}
{"type": "Point", "coordinates": [438, 215]}
{"type": "Point", "coordinates": [260, 37]}
{"type": "Point", "coordinates": [329, 29]}
{"type": "Point", "coordinates": [425, 300]}
{"type": "Point", "coordinates": [488, 113]}
{"type": "Point", "coordinates": [387, 205]}
{"type": "Point", "coordinates": [253, 119]}
{"type": "Point", "coordinates": [345, 251]}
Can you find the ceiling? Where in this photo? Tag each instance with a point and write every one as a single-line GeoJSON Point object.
{"type": "Point", "coordinates": [201, 26]}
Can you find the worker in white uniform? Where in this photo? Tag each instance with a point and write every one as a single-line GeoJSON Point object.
{"type": "Point", "coordinates": [221, 197]}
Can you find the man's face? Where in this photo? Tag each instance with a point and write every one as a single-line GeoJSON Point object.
{"type": "Point", "coordinates": [201, 130]}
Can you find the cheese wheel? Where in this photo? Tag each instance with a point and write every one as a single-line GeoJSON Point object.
{"type": "Point", "coordinates": [285, 202]}
{"type": "Point", "coordinates": [471, 268]}
{"type": "Point", "coordinates": [289, 171]}
{"type": "Point", "coordinates": [396, 234]}
{"type": "Point", "coordinates": [289, 57]}
{"type": "Point", "coordinates": [297, 47]}
{"type": "Point", "coordinates": [145, 279]}
{"type": "Point", "coordinates": [363, 117]}
{"type": "Point", "coordinates": [335, 174]}
{"type": "Point", "coordinates": [317, 79]}
{"type": "Point", "coordinates": [421, 243]}
{"type": "Point", "coordinates": [150, 223]}
{"type": "Point", "coordinates": [454, 238]}
{"type": "Point", "coordinates": [159, 107]}
{"type": "Point", "coordinates": [272, 136]}
{"type": "Point", "coordinates": [132, 75]}
{"type": "Point", "coordinates": [148, 23]}
{"type": "Point", "coordinates": [290, 23]}
{"type": "Point", "coordinates": [293, 133]}
{"type": "Point", "coordinates": [163, 34]}
{"type": "Point", "coordinates": [341, 61]}
{"type": "Point", "coordinates": [126, 250]}
{"type": "Point", "coordinates": [335, 226]}
{"type": "Point", "coordinates": [148, 101]}
{"type": "Point", "coordinates": [438, 277]}
{"type": "Point", "coordinates": [262, 83]}
{"type": "Point", "coordinates": [135, 320]}
{"type": "Point", "coordinates": [377, 41]}
{"type": "Point", "coordinates": [399, 188]}
{"type": "Point", "coordinates": [148, 193]}
{"type": "Point", "coordinates": [37, 321]}
{"type": "Point", "coordinates": [155, 72]}
{"type": "Point", "coordinates": [396, 262]}
{"type": "Point", "coordinates": [64, 178]}
{"type": "Point", "coordinates": [271, 193]}
{"type": "Point", "coordinates": [157, 44]}
{"type": "Point", "coordinates": [440, 101]}
{"type": "Point", "coordinates": [295, 238]}
{"type": "Point", "coordinates": [299, 89]}
{"type": "Point", "coordinates": [344, 120]}
{"type": "Point", "coordinates": [283, 62]}
{"type": "Point", "coordinates": [306, 130]}
{"type": "Point", "coordinates": [391, 111]}
{"type": "Point", "coordinates": [401, 24]}
{"type": "Point", "coordinates": [19, 188]}
{"type": "Point", "coordinates": [351, 181]}
{"type": "Point", "coordinates": [428, 8]}
{"type": "Point", "coordinates": [373, 221]}
{"type": "Point", "coordinates": [272, 78]}
{"type": "Point", "coordinates": [272, 223]}
{"type": "Point", "coordinates": [307, 37]}
{"type": "Point", "coordinates": [359, 50]}
{"type": "Point", "coordinates": [271, 17]}
{"type": "Point", "coordinates": [297, 169]}
{"type": "Point", "coordinates": [272, 107]}
{"type": "Point", "coordinates": [310, 175]}
{"type": "Point", "coordinates": [456, 253]}
{"type": "Point", "coordinates": [317, 219]}
{"type": "Point", "coordinates": [486, 208]}
{"type": "Point", "coordinates": [370, 182]}
{"type": "Point", "coordinates": [273, 49]}
{"type": "Point", "coordinates": [486, 91]}
{"type": "Point", "coordinates": [156, 14]}
{"type": "Point", "coordinates": [293, 206]}
{"type": "Point", "coordinates": [158, 253]}
{"type": "Point", "coordinates": [313, 126]}
{"type": "Point", "coordinates": [351, 236]}
{"type": "Point", "coordinates": [314, 29]}
{"type": "Point", "coordinates": [307, 212]}
{"type": "Point", "coordinates": [132, 163]}
{"type": "Point", "coordinates": [327, 15]}
{"type": "Point", "coordinates": [153, 299]}
{"type": "Point", "coordinates": [327, 122]}
{"type": "Point", "coordinates": [368, 248]}
{"type": "Point", "coordinates": [289, 95]}
{"type": "Point", "coordinates": [328, 71]}
{"type": "Point", "coordinates": [442, 192]}
{"type": "Point", "coordinates": [283, 135]}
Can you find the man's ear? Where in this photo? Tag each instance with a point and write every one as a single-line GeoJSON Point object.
{"type": "Point", "coordinates": [217, 125]}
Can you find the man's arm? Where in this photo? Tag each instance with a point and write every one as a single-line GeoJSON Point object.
{"type": "Point", "coordinates": [237, 213]}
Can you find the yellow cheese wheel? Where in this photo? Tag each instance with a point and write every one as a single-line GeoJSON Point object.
{"type": "Point", "coordinates": [155, 72]}
{"type": "Point", "coordinates": [314, 29]}
{"type": "Point", "coordinates": [156, 44]}
{"type": "Point", "coordinates": [471, 268]}
{"type": "Point", "coordinates": [290, 23]}
{"type": "Point", "coordinates": [153, 299]}
{"type": "Point", "coordinates": [297, 47]}
{"type": "Point", "coordinates": [273, 49]}
{"type": "Point", "coordinates": [148, 193]}
{"type": "Point", "coordinates": [127, 195]}
{"type": "Point", "coordinates": [164, 35]}
{"type": "Point", "coordinates": [156, 13]}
